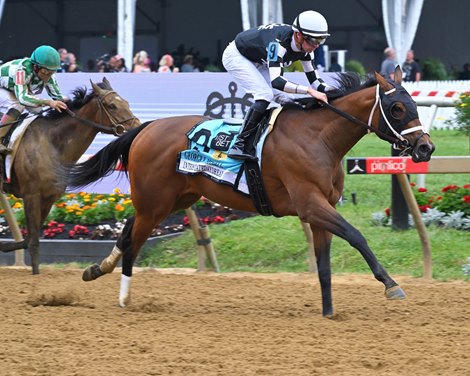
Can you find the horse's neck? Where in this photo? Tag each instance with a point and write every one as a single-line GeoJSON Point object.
{"type": "Point", "coordinates": [344, 134]}
{"type": "Point", "coordinates": [76, 137]}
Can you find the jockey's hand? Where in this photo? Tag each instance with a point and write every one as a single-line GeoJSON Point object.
{"type": "Point", "coordinates": [318, 95]}
{"type": "Point", "coordinates": [57, 105]}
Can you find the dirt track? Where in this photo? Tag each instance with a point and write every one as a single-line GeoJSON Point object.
{"type": "Point", "coordinates": [229, 324]}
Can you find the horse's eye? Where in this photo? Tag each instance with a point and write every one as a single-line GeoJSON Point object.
{"type": "Point", "coordinates": [397, 111]}
{"type": "Point", "coordinates": [112, 106]}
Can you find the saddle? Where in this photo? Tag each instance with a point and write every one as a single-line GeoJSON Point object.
{"type": "Point", "coordinates": [208, 144]}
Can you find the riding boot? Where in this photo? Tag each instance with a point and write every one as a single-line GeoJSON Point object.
{"type": "Point", "coordinates": [244, 147]}
{"type": "Point", "coordinates": [5, 124]}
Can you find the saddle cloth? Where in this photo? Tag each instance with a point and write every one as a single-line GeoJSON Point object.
{"type": "Point", "coordinates": [208, 144]}
{"type": "Point", "coordinates": [15, 141]}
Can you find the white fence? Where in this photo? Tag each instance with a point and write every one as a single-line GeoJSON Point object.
{"type": "Point", "coordinates": [445, 90]}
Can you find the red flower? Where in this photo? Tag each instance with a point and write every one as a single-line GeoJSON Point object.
{"type": "Point", "coordinates": [467, 186]}
{"type": "Point", "coordinates": [185, 220]}
{"type": "Point", "coordinates": [218, 219]}
{"type": "Point", "coordinates": [413, 184]}
{"type": "Point", "coordinates": [71, 234]}
{"type": "Point", "coordinates": [424, 208]}
{"type": "Point", "coordinates": [387, 212]}
{"type": "Point", "coordinates": [422, 189]}
{"type": "Point", "coordinates": [450, 188]}
{"type": "Point", "coordinates": [466, 199]}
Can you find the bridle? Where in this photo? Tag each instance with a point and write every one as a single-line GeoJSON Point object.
{"type": "Point", "coordinates": [396, 139]}
{"type": "Point", "coordinates": [117, 127]}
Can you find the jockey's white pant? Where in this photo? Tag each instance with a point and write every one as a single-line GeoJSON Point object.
{"type": "Point", "coordinates": [8, 100]}
{"type": "Point", "coordinates": [253, 77]}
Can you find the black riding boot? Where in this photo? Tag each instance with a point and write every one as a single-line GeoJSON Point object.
{"type": "Point", "coordinates": [244, 147]}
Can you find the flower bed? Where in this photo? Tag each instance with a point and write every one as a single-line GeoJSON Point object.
{"type": "Point", "coordinates": [450, 208]}
{"type": "Point", "coordinates": [102, 217]}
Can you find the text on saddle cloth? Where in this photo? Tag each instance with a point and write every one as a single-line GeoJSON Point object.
{"type": "Point", "coordinates": [208, 144]}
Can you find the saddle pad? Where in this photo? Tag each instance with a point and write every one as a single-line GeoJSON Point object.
{"type": "Point", "coordinates": [208, 143]}
{"type": "Point", "coordinates": [15, 141]}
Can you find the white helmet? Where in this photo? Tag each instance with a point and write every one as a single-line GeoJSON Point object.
{"type": "Point", "coordinates": [311, 23]}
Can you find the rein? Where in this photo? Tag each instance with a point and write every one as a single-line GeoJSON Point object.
{"type": "Point", "coordinates": [398, 140]}
{"type": "Point", "coordinates": [117, 128]}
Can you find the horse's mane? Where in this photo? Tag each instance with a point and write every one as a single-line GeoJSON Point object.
{"type": "Point", "coordinates": [346, 83]}
{"type": "Point", "coordinates": [80, 97]}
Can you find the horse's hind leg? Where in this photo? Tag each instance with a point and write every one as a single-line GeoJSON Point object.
{"type": "Point", "coordinates": [109, 263]}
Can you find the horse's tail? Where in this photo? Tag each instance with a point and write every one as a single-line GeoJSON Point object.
{"type": "Point", "coordinates": [105, 161]}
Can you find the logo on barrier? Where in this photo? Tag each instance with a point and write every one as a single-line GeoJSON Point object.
{"type": "Point", "coordinates": [356, 166]}
{"type": "Point", "coordinates": [216, 103]}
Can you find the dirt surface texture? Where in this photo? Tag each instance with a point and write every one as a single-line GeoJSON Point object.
{"type": "Point", "coordinates": [185, 323]}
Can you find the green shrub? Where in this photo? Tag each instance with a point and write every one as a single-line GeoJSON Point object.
{"type": "Point", "coordinates": [355, 66]}
{"type": "Point", "coordinates": [434, 69]}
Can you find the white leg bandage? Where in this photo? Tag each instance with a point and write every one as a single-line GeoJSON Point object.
{"type": "Point", "coordinates": [125, 292]}
{"type": "Point", "coordinates": [110, 262]}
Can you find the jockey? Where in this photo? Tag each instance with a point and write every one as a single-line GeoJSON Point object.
{"type": "Point", "coordinates": [256, 59]}
{"type": "Point", "coordinates": [21, 80]}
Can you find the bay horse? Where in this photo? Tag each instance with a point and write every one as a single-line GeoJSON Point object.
{"type": "Point", "coordinates": [301, 169]}
{"type": "Point", "coordinates": [58, 139]}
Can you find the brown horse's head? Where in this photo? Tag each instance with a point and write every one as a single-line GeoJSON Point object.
{"type": "Point", "coordinates": [113, 110]}
{"type": "Point", "coordinates": [399, 118]}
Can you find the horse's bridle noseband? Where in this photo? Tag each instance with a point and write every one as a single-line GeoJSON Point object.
{"type": "Point", "coordinates": [117, 125]}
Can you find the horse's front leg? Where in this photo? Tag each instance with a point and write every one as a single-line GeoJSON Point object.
{"type": "Point", "coordinates": [348, 232]}
{"type": "Point", "coordinates": [33, 214]}
{"type": "Point", "coordinates": [322, 244]}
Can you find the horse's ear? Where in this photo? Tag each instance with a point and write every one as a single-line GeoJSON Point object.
{"type": "Point", "coordinates": [96, 89]}
{"type": "Point", "coordinates": [384, 84]}
{"type": "Point", "coordinates": [107, 84]}
{"type": "Point", "coordinates": [398, 75]}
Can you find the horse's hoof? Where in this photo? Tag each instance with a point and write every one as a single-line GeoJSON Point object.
{"type": "Point", "coordinates": [124, 301]}
{"type": "Point", "coordinates": [395, 293]}
{"type": "Point", "coordinates": [92, 272]}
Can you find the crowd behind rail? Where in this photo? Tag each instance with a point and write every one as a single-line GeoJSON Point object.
{"type": "Point", "coordinates": [143, 62]}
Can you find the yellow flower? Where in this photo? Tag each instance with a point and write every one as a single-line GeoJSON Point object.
{"type": "Point", "coordinates": [119, 207]}
{"type": "Point", "coordinates": [111, 199]}
{"type": "Point", "coordinates": [18, 205]}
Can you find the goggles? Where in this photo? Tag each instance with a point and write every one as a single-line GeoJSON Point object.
{"type": "Point", "coordinates": [314, 41]}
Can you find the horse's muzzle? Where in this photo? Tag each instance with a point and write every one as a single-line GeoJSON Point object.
{"type": "Point", "coordinates": [423, 150]}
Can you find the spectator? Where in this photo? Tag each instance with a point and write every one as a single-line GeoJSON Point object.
{"type": "Point", "coordinates": [188, 64]}
{"type": "Point", "coordinates": [334, 66]}
{"type": "Point", "coordinates": [118, 64]}
{"type": "Point", "coordinates": [141, 62]}
{"type": "Point", "coordinates": [387, 69]}
{"type": "Point", "coordinates": [63, 54]}
{"type": "Point", "coordinates": [465, 74]}
{"type": "Point", "coordinates": [70, 64]}
{"type": "Point", "coordinates": [411, 69]}
{"type": "Point", "coordinates": [166, 64]}
{"type": "Point", "coordinates": [102, 63]}
{"type": "Point", "coordinates": [319, 59]}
